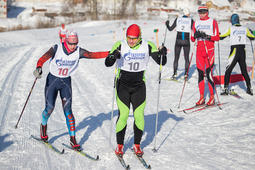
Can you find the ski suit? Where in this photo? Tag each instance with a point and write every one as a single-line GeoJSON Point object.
{"type": "Point", "coordinates": [205, 51]}
{"type": "Point", "coordinates": [63, 64]}
{"type": "Point", "coordinates": [183, 27]}
{"type": "Point", "coordinates": [130, 84]}
{"type": "Point", "coordinates": [237, 34]}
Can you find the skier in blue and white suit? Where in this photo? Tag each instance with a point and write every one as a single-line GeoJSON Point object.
{"type": "Point", "coordinates": [64, 61]}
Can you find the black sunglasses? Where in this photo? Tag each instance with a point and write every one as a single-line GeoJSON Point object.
{"type": "Point", "coordinates": [72, 43]}
{"type": "Point", "coordinates": [202, 11]}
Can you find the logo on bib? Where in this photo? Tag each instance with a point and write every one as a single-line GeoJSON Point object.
{"type": "Point", "coordinates": [62, 62]}
{"type": "Point", "coordinates": [134, 56]}
{"type": "Point", "coordinates": [242, 32]}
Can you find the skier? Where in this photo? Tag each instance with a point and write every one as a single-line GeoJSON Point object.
{"type": "Point", "coordinates": [62, 33]}
{"type": "Point", "coordinates": [132, 56]}
{"type": "Point", "coordinates": [183, 27]}
{"type": "Point", "coordinates": [237, 34]}
{"type": "Point", "coordinates": [206, 32]}
{"type": "Point", "coordinates": [64, 60]}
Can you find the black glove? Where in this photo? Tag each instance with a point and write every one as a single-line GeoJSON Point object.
{"type": "Point", "coordinates": [162, 50]}
{"type": "Point", "coordinates": [205, 36]}
{"type": "Point", "coordinates": [38, 72]}
{"type": "Point", "coordinates": [167, 23]}
{"type": "Point", "coordinates": [197, 34]}
{"type": "Point", "coordinates": [115, 54]}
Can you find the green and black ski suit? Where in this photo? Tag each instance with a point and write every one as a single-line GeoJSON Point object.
{"type": "Point", "coordinates": [130, 84]}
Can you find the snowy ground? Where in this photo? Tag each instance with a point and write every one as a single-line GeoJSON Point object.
{"type": "Point", "coordinates": [210, 139]}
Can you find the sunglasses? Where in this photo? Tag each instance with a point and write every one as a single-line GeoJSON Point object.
{"type": "Point", "coordinates": [202, 12]}
{"type": "Point", "coordinates": [129, 38]}
{"type": "Point", "coordinates": [72, 43]}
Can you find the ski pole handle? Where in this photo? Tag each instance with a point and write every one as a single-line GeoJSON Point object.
{"type": "Point", "coordinates": [156, 31]}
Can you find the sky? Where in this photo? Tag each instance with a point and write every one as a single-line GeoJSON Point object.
{"type": "Point", "coordinates": [210, 139]}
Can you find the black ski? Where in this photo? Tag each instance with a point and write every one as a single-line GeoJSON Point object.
{"type": "Point", "coordinates": [49, 145]}
{"type": "Point", "coordinates": [233, 93]}
{"type": "Point", "coordinates": [122, 161]}
{"type": "Point", "coordinates": [141, 159]}
{"type": "Point", "coordinates": [82, 153]}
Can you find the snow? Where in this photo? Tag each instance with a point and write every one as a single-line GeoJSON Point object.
{"type": "Point", "coordinates": [210, 139]}
{"type": "Point", "coordinates": [221, 3]}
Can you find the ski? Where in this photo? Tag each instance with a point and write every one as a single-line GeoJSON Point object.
{"type": "Point", "coordinates": [49, 145]}
{"type": "Point", "coordinates": [233, 93]}
{"type": "Point", "coordinates": [141, 159]}
{"type": "Point", "coordinates": [82, 153]}
{"type": "Point", "coordinates": [191, 108]}
{"type": "Point", "coordinates": [207, 107]}
{"type": "Point", "coordinates": [178, 81]}
{"type": "Point", "coordinates": [122, 161]}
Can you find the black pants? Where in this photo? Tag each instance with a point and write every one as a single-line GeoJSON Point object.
{"type": "Point", "coordinates": [237, 55]}
{"type": "Point", "coordinates": [179, 44]}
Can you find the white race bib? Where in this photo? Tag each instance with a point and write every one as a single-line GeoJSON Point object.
{"type": "Point", "coordinates": [183, 24]}
{"type": "Point", "coordinates": [63, 65]}
{"type": "Point", "coordinates": [134, 60]}
{"type": "Point", "coordinates": [237, 35]}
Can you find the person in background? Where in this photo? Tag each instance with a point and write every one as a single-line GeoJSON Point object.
{"type": "Point", "coordinates": [64, 61]}
{"type": "Point", "coordinates": [132, 56]}
{"type": "Point", "coordinates": [237, 34]}
{"type": "Point", "coordinates": [183, 27]}
{"type": "Point", "coordinates": [62, 33]}
{"type": "Point", "coordinates": [205, 31]}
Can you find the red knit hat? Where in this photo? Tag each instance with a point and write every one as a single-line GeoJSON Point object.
{"type": "Point", "coordinates": [133, 30]}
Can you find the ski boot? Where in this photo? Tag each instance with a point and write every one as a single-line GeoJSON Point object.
{"type": "Point", "coordinates": [249, 91]}
{"type": "Point", "coordinates": [174, 77]}
{"type": "Point", "coordinates": [211, 101]}
{"type": "Point", "coordinates": [186, 76]}
{"type": "Point", "coordinates": [138, 150]}
{"type": "Point", "coordinates": [119, 150]}
{"type": "Point", "coordinates": [224, 91]}
{"type": "Point", "coordinates": [43, 133]}
{"type": "Point", "coordinates": [74, 144]}
{"type": "Point", "coordinates": [201, 101]}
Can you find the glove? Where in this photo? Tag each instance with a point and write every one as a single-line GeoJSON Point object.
{"type": "Point", "coordinates": [162, 50]}
{"type": "Point", "coordinates": [167, 23]}
{"type": "Point", "coordinates": [115, 54]}
{"type": "Point", "coordinates": [205, 36]}
{"type": "Point", "coordinates": [38, 72]}
{"type": "Point", "coordinates": [197, 34]}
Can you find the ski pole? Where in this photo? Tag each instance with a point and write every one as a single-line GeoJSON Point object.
{"type": "Point", "coordinates": [16, 126]}
{"type": "Point", "coordinates": [114, 36]}
{"type": "Point", "coordinates": [156, 31]}
{"type": "Point", "coordinates": [124, 32]}
{"type": "Point", "coordinates": [252, 73]}
{"type": "Point", "coordinates": [159, 82]}
{"type": "Point", "coordinates": [187, 73]}
{"type": "Point", "coordinates": [206, 50]}
{"type": "Point", "coordinates": [114, 87]}
{"type": "Point", "coordinates": [219, 62]}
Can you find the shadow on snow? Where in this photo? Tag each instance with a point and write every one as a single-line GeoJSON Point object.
{"type": "Point", "coordinates": [3, 144]}
{"type": "Point", "coordinates": [94, 122]}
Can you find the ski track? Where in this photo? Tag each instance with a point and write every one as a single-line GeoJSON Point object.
{"type": "Point", "coordinates": [9, 85]}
